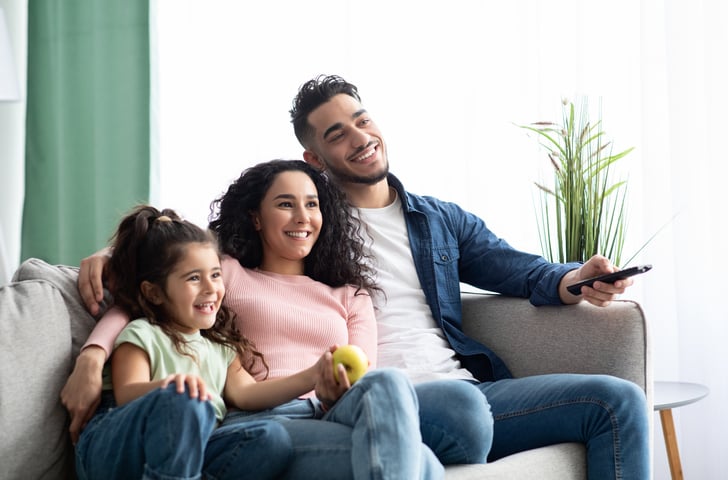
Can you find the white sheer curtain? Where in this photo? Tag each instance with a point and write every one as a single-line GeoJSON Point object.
{"type": "Point", "coordinates": [448, 82]}
{"type": "Point", "coordinates": [684, 105]}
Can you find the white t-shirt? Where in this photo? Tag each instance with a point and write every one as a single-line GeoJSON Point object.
{"type": "Point", "coordinates": [408, 337]}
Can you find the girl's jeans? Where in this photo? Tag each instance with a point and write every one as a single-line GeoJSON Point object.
{"type": "Point", "coordinates": [168, 435]}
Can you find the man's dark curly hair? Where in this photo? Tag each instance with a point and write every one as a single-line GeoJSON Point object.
{"type": "Point", "coordinates": [310, 96]}
{"type": "Point", "coordinates": [338, 258]}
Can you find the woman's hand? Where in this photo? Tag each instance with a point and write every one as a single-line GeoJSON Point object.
{"type": "Point", "coordinates": [328, 390]}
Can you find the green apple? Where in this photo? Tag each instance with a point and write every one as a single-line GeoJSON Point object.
{"type": "Point", "coordinates": [353, 359]}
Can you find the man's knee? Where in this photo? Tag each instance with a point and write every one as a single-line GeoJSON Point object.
{"type": "Point", "coordinates": [615, 390]}
{"type": "Point", "coordinates": [456, 421]}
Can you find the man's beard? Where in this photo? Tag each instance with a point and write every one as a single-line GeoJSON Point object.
{"type": "Point", "coordinates": [342, 177]}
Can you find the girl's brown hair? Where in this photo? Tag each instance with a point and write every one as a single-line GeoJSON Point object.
{"type": "Point", "coordinates": [146, 247]}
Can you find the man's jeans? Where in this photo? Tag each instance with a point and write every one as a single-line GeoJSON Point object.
{"type": "Point", "coordinates": [372, 432]}
{"type": "Point", "coordinates": [607, 414]}
{"type": "Point", "coordinates": [167, 435]}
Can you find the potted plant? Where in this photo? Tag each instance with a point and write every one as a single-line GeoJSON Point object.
{"type": "Point", "coordinates": [584, 211]}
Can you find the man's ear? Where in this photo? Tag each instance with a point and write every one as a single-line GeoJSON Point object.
{"type": "Point", "coordinates": [313, 160]}
{"type": "Point", "coordinates": [152, 292]}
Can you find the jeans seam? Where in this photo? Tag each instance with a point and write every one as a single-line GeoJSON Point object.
{"type": "Point", "coordinates": [612, 420]}
{"type": "Point", "coordinates": [454, 439]}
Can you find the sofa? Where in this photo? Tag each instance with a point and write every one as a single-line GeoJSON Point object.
{"type": "Point", "coordinates": [43, 325]}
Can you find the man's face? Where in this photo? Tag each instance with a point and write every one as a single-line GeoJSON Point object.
{"type": "Point", "coordinates": [347, 142]}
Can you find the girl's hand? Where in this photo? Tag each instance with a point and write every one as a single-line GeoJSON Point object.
{"type": "Point", "coordinates": [328, 390]}
{"type": "Point", "coordinates": [195, 385]}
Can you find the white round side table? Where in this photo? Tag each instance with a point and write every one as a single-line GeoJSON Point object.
{"type": "Point", "coordinates": [669, 395]}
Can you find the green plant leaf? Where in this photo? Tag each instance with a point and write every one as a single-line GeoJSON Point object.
{"type": "Point", "coordinates": [584, 212]}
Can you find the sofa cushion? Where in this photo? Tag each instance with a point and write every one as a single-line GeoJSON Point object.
{"type": "Point", "coordinates": [35, 360]}
{"type": "Point", "coordinates": [64, 278]}
{"type": "Point", "coordinates": [563, 461]}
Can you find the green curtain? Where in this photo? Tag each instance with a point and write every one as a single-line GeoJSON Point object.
{"type": "Point", "coordinates": [87, 132]}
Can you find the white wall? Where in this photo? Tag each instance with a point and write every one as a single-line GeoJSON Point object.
{"type": "Point", "coordinates": [446, 84]}
{"type": "Point", "coordinates": [12, 145]}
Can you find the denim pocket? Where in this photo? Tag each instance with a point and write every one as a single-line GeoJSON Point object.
{"type": "Point", "coordinates": [446, 261]}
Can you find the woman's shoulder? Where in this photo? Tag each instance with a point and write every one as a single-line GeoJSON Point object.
{"type": "Point", "coordinates": [355, 297]}
{"type": "Point", "coordinates": [229, 263]}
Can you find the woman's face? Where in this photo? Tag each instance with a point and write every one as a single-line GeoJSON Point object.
{"type": "Point", "coordinates": [288, 222]}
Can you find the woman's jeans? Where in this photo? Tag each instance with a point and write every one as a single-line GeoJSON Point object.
{"type": "Point", "coordinates": [372, 432]}
{"type": "Point", "coordinates": [168, 435]}
{"type": "Point", "coordinates": [607, 414]}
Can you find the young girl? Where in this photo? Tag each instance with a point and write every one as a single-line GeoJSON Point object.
{"type": "Point", "coordinates": [297, 281]}
{"type": "Point", "coordinates": [174, 368]}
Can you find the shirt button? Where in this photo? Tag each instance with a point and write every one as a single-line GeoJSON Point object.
{"type": "Point", "coordinates": [444, 258]}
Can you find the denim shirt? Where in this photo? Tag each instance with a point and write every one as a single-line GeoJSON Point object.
{"type": "Point", "coordinates": [449, 246]}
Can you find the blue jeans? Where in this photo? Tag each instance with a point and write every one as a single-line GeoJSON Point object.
{"type": "Point", "coordinates": [167, 435]}
{"type": "Point", "coordinates": [455, 421]}
{"type": "Point", "coordinates": [372, 432]}
{"type": "Point", "coordinates": [607, 414]}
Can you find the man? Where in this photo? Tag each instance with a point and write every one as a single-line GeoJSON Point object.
{"type": "Point", "coordinates": [423, 248]}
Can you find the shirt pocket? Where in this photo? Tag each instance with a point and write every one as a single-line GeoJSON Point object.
{"type": "Point", "coordinates": [446, 261]}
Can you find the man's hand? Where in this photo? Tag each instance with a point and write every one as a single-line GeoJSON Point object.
{"type": "Point", "coordinates": [82, 392]}
{"type": "Point", "coordinates": [90, 279]}
{"type": "Point", "coordinates": [602, 293]}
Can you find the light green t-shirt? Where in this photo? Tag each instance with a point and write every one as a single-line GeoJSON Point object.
{"type": "Point", "coordinates": [212, 359]}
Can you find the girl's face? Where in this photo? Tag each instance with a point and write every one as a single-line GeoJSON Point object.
{"type": "Point", "coordinates": [288, 222]}
{"type": "Point", "coordinates": [194, 289]}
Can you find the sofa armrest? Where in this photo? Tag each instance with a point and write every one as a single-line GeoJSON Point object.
{"type": "Point", "coordinates": [35, 360]}
{"type": "Point", "coordinates": [64, 278]}
{"type": "Point", "coordinates": [577, 338]}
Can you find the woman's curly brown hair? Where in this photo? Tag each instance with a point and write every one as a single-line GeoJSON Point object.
{"type": "Point", "coordinates": [338, 258]}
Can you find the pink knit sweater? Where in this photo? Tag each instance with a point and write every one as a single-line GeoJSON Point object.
{"type": "Point", "coordinates": [293, 319]}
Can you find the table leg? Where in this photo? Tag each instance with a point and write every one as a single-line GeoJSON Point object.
{"type": "Point", "coordinates": [673, 455]}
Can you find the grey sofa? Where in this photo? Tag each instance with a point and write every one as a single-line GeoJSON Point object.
{"type": "Point", "coordinates": [43, 325]}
